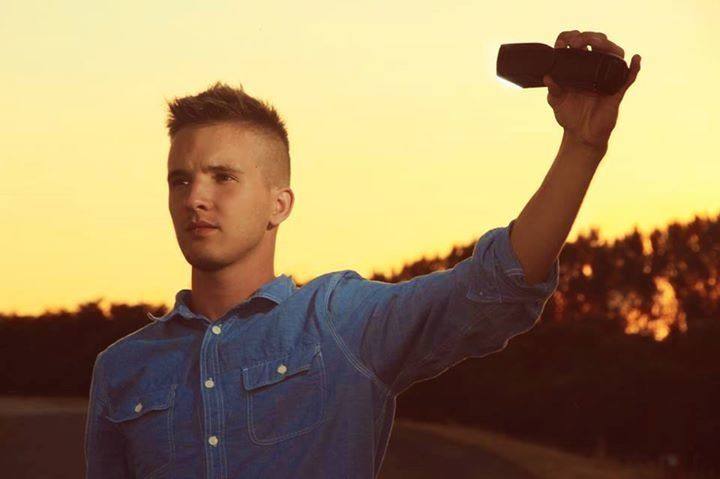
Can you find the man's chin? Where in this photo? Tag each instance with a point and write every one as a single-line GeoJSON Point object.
{"type": "Point", "coordinates": [206, 264]}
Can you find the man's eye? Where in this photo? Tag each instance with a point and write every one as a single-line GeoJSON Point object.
{"type": "Point", "coordinates": [221, 176]}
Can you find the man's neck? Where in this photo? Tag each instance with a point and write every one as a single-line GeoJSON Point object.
{"type": "Point", "coordinates": [214, 293]}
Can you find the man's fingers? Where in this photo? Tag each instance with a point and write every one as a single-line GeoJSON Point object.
{"type": "Point", "coordinates": [632, 74]}
{"type": "Point", "coordinates": [605, 45]}
{"type": "Point", "coordinates": [563, 40]}
{"type": "Point", "coordinates": [598, 41]}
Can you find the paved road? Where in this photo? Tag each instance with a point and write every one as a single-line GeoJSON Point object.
{"type": "Point", "coordinates": [50, 446]}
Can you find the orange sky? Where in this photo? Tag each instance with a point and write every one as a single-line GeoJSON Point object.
{"type": "Point", "coordinates": [403, 141]}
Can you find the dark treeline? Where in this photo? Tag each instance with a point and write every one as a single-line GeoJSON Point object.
{"type": "Point", "coordinates": [624, 361]}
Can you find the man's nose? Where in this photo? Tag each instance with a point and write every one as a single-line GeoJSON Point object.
{"type": "Point", "coordinates": [199, 196]}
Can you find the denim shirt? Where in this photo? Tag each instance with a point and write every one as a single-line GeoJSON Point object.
{"type": "Point", "coordinates": [297, 382]}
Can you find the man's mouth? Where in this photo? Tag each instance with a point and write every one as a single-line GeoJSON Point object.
{"type": "Point", "coordinates": [200, 224]}
{"type": "Point", "coordinates": [201, 231]}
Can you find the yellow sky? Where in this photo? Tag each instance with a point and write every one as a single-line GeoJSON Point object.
{"type": "Point", "coordinates": [403, 141]}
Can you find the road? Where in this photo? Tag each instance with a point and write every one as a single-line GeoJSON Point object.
{"type": "Point", "coordinates": [418, 454]}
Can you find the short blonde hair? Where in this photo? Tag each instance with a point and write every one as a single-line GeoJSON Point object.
{"type": "Point", "coordinates": [221, 103]}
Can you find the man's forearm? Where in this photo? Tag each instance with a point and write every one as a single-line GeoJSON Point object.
{"type": "Point", "coordinates": [540, 231]}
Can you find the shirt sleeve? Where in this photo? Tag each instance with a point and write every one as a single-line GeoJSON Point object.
{"type": "Point", "coordinates": [104, 445]}
{"type": "Point", "coordinates": [401, 333]}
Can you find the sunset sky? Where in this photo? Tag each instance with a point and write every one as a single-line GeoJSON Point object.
{"type": "Point", "coordinates": [403, 141]}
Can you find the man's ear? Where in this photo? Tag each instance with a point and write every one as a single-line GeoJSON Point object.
{"type": "Point", "coordinates": [282, 205]}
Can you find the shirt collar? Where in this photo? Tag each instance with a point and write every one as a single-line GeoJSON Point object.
{"type": "Point", "coordinates": [277, 291]}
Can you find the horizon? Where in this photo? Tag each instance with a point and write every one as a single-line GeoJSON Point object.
{"type": "Point", "coordinates": [636, 322]}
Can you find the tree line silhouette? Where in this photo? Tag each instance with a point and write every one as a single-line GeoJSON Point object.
{"type": "Point", "coordinates": [624, 361]}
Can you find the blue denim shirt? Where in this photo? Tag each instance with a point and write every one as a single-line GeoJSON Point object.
{"type": "Point", "coordinates": [297, 382]}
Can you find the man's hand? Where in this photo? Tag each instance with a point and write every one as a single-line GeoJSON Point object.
{"type": "Point", "coordinates": [588, 118]}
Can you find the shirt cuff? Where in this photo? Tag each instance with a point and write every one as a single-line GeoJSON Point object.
{"type": "Point", "coordinates": [499, 276]}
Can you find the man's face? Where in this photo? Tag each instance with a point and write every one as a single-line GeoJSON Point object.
{"type": "Point", "coordinates": [235, 198]}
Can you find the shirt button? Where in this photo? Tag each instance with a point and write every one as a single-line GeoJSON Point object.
{"type": "Point", "coordinates": [138, 407]}
{"type": "Point", "coordinates": [209, 383]}
{"type": "Point", "coordinates": [282, 369]}
{"type": "Point", "coordinates": [216, 329]}
{"type": "Point", "coordinates": [213, 441]}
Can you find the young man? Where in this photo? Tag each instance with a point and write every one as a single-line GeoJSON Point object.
{"type": "Point", "coordinates": [250, 376]}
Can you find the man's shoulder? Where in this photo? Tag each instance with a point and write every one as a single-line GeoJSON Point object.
{"type": "Point", "coordinates": [331, 278]}
{"type": "Point", "coordinates": [120, 347]}
{"type": "Point", "coordinates": [328, 283]}
{"type": "Point", "coordinates": [345, 290]}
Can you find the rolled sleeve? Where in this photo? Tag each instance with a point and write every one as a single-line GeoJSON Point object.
{"type": "Point", "coordinates": [500, 277]}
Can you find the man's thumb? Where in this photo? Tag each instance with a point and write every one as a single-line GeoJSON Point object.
{"type": "Point", "coordinates": [553, 87]}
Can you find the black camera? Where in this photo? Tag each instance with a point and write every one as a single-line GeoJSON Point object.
{"type": "Point", "coordinates": [525, 64]}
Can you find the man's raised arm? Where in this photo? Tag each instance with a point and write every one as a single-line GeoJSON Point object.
{"type": "Point", "coordinates": [540, 231]}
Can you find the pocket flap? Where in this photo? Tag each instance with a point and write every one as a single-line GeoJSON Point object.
{"type": "Point", "coordinates": [271, 372]}
{"type": "Point", "coordinates": [137, 403]}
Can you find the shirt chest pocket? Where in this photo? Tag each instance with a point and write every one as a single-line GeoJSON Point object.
{"type": "Point", "coordinates": [145, 419]}
{"type": "Point", "coordinates": [286, 396]}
